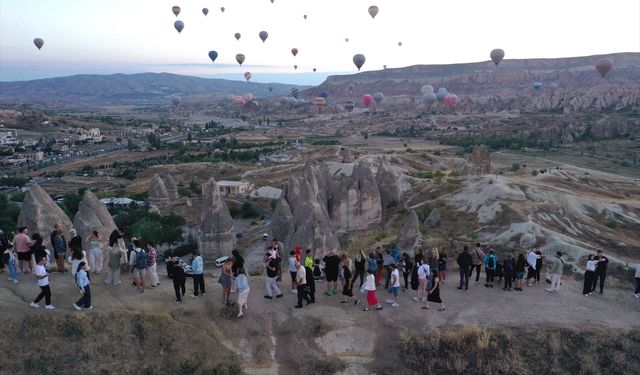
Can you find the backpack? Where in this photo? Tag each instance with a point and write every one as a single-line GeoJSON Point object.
{"type": "Point", "coordinates": [141, 260]}
{"type": "Point", "coordinates": [508, 266]}
{"type": "Point", "coordinates": [491, 262]}
{"type": "Point", "coordinates": [373, 265]}
{"type": "Point", "coordinates": [316, 271]}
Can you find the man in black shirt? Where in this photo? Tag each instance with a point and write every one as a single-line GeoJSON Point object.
{"type": "Point", "coordinates": [465, 261]}
{"type": "Point", "coordinates": [601, 271]}
{"type": "Point", "coordinates": [272, 273]}
{"type": "Point", "coordinates": [331, 269]}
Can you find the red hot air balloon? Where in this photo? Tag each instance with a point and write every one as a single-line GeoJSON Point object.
{"type": "Point", "coordinates": [604, 66]}
{"type": "Point", "coordinates": [294, 51]}
{"type": "Point", "coordinates": [451, 100]}
{"type": "Point", "coordinates": [247, 97]}
{"type": "Point", "coordinates": [319, 102]}
{"type": "Point", "coordinates": [366, 100]}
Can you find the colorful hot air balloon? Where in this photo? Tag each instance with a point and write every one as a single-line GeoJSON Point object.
{"type": "Point", "coordinates": [537, 85]}
{"type": "Point", "coordinates": [179, 25]}
{"type": "Point", "coordinates": [176, 10]}
{"type": "Point", "coordinates": [324, 94]}
{"type": "Point", "coordinates": [604, 66]}
{"type": "Point", "coordinates": [442, 93]}
{"type": "Point", "coordinates": [240, 58]}
{"type": "Point", "coordinates": [238, 100]}
{"type": "Point", "coordinates": [359, 60]}
{"type": "Point", "coordinates": [263, 35]}
{"type": "Point", "coordinates": [378, 97]}
{"type": "Point", "coordinates": [349, 106]}
{"type": "Point", "coordinates": [319, 103]}
{"type": "Point", "coordinates": [294, 51]}
{"type": "Point", "coordinates": [247, 97]}
{"type": "Point", "coordinates": [426, 89]}
{"type": "Point", "coordinates": [237, 35]}
{"type": "Point", "coordinates": [366, 100]}
{"type": "Point", "coordinates": [429, 98]}
{"type": "Point", "coordinates": [497, 55]}
{"type": "Point", "coordinates": [295, 92]}
{"type": "Point", "coordinates": [451, 100]}
{"type": "Point", "coordinates": [247, 76]}
{"type": "Point", "coordinates": [213, 55]}
{"type": "Point", "coordinates": [38, 42]}
{"type": "Point", "coordinates": [373, 11]}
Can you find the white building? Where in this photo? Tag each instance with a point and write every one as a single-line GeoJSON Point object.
{"type": "Point", "coordinates": [234, 188]}
{"type": "Point", "coordinates": [266, 192]}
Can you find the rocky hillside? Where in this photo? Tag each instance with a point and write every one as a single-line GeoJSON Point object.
{"type": "Point", "coordinates": [509, 86]}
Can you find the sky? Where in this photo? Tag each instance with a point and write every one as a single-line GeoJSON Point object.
{"type": "Point", "coordinates": [132, 36]}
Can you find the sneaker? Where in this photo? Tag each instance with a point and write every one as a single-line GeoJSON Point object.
{"type": "Point", "coordinates": [416, 299]}
{"type": "Point", "coordinates": [365, 309]}
{"type": "Point", "coordinates": [294, 291]}
{"type": "Point", "coordinates": [355, 303]}
{"type": "Point", "coordinates": [268, 297]}
{"type": "Point", "coordinates": [425, 307]}
{"type": "Point", "coordinates": [240, 314]}
{"type": "Point", "coordinates": [389, 301]}
{"type": "Point", "coordinates": [395, 305]}
{"type": "Point", "coordinates": [379, 308]}
{"type": "Point", "coordinates": [78, 308]}
{"type": "Point", "coordinates": [459, 288]}
{"type": "Point", "coordinates": [89, 308]}
{"type": "Point", "coordinates": [297, 307]}
{"type": "Point", "coordinates": [549, 290]}
{"type": "Point", "coordinates": [49, 307]}
{"type": "Point", "coordinates": [194, 296]}
{"type": "Point", "coordinates": [279, 295]}
{"type": "Point", "coordinates": [34, 305]}
{"type": "Point", "coordinates": [15, 281]}
{"type": "Point", "coordinates": [177, 302]}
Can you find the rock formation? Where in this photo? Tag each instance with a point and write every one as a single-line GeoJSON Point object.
{"type": "Point", "coordinates": [354, 202]}
{"type": "Point", "coordinates": [282, 220]}
{"type": "Point", "coordinates": [409, 237]}
{"type": "Point", "coordinates": [40, 213]}
{"type": "Point", "coordinates": [158, 194]}
{"type": "Point", "coordinates": [217, 231]}
{"type": "Point", "coordinates": [93, 215]}
{"type": "Point", "coordinates": [347, 155]}
{"type": "Point", "coordinates": [388, 182]}
{"type": "Point", "coordinates": [433, 220]}
{"type": "Point", "coordinates": [481, 160]}
{"type": "Point", "coordinates": [172, 188]}
{"type": "Point", "coordinates": [527, 241]}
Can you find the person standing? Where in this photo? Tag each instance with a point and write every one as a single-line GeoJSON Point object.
{"type": "Point", "coordinates": [407, 266]}
{"type": "Point", "coordinates": [442, 267]}
{"type": "Point", "coordinates": [424, 271]}
{"type": "Point", "coordinates": [521, 265]}
{"type": "Point", "coordinates": [478, 256]}
{"type": "Point", "coordinates": [242, 286]}
{"type": "Point", "coordinates": [359, 264]}
{"type": "Point", "coordinates": [4, 245]}
{"type": "Point", "coordinates": [117, 257]}
{"type": "Point", "coordinates": [556, 271]}
{"type": "Point", "coordinates": [301, 284]}
{"type": "Point", "coordinates": [9, 258]}
{"type": "Point", "coordinates": [43, 282]}
{"type": "Point", "coordinates": [465, 262]}
{"type": "Point", "coordinates": [311, 284]}
{"type": "Point", "coordinates": [347, 288]}
{"type": "Point", "coordinates": [21, 245]}
{"type": "Point", "coordinates": [539, 260]}
{"type": "Point", "coordinates": [82, 281]}
{"type": "Point", "coordinates": [138, 263]}
{"type": "Point", "coordinates": [293, 270]}
{"type": "Point", "coordinates": [59, 245]}
{"type": "Point", "coordinates": [507, 271]}
{"type": "Point", "coordinates": [589, 275]}
{"type": "Point", "coordinates": [532, 261]}
{"type": "Point", "coordinates": [637, 276]}
{"type": "Point", "coordinates": [177, 274]}
{"type": "Point", "coordinates": [74, 242]}
{"type": "Point", "coordinates": [490, 262]}
{"type": "Point", "coordinates": [77, 256]}
{"type": "Point", "coordinates": [380, 263]}
{"type": "Point", "coordinates": [226, 280]}
{"type": "Point", "coordinates": [238, 262]}
{"type": "Point", "coordinates": [372, 263]}
{"type": "Point", "coordinates": [272, 274]}
{"type": "Point", "coordinates": [370, 287]}
{"type": "Point", "coordinates": [152, 262]}
{"type": "Point", "coordinates": [601, 271]}
{"type": "Point", "coordinates": [434, 294]}
{"type": "Point", "coordinates": [308, 259]}
{"type": "Point", "coordinates": [394, 286]}
{"type": "Point", "coordinates": [95, 252]}
{"type": "Point", "coordinates": [387, 261]}
{"type": "Point", "coordinates": [331, 270]}
{"type": "Point", "coordinates": [38, 250]}
{"type": "Point", "coordinates": [197, 272]}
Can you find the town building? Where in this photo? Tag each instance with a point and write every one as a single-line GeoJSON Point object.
{"type": "Point", "coordinates": [234, 188]}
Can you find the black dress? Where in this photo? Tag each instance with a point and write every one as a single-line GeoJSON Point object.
{"type": "Point", "coordinates": [347, 290]}
{"type": "Point", "coordinates": [435, 295]}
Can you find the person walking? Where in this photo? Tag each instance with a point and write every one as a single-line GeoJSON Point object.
{"type": "Point", "coordinates": [331, 270]}
{"type": "Point", "coordinates": [38, 250]}
{"type": "Point", "coordinates": [293, 270]}
{"type": "Point", "coordinates": [347, 288]}
{"type": "Point", "coordinates": [434, 294]}
{"type": "Point", "coordinates": [424, 271]}
{"type": "Point", "coordinates": [507, 272]}
{"type": "Point", "coordinates": [197, 272]}
{"type": "Point", "coordinates": [490, 262]}
{"type": "Point", "coordinates": [21, 245]}
{"type": "Point", "coordinates": [556, 271]}
{"type": "Point", "coordinates": [360, 265]}
{"type": "Point", "coordinates": [138, 263]}
{"type": "Point", "coordinates": [589, 275]}
{"type": "Point", "coordinates": [478, 256]}
{"type": "Point", "coordinates": [77, 256]}
{"type": "Point", "coordinates": [117, 257]}
{"type": "Point", "coordinates": [242, 286]}
{"type": "Point", "coordinates": [59, 245]}
{"type": "Point", "coordinates": [465, 262]}
{"type": "Point", "coordinates": [270, 282]}
{"type": "Point", "coordinates": [520, 267]}
{"type": "Point", "coordinates": [301, 284]}
{"type": "Point", "coordinates": [176, 273]}
{"type": "Point", "coordinates": [226, 279]}
{"type": "Point", "coordinates": [407, 266]}
{"type": "Point", "coordinates": [394, 286]}
{"type": "Point", "coordinates": [601, 271]}
{"type": "Point", "coordinates": [95, 255]}
{"type": "Point", "coordinates": [43, 282]}
{"type": "Point", "coordinates": [82, 281]}
{"type": "Point", "coordinates": [152, 262]}
{"type": "Point", "coordinates": [369, 286]}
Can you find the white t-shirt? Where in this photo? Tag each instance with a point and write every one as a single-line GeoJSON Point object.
{"type": "Point", "coordinates": [41, 271]}
{"type": "Point", "coordinates": [423, 271]}
{"type": "Point", "coordinates": [395, 274]}
{"type": "Point", "coordinates": [591, 265]}
{"type": "Point", "coordinates": [292, 264]}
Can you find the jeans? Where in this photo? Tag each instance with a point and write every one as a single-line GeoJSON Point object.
{"type": "Point", "coordinates": [588, 282]}
{"type": "Point", "coordinates": [12, 269]}
{"type": "Point", "coordinates": [601, 276]}
{"type": "Point", "coordinates": [198, 284]}
{"type": "Point", "coordinates": [85, 300]}
{"type": "Point", "coordinates": [387, 270]}
{"type": "Point", "coordinates": [464, 279]}
{"type": "Point", "coordinates": [179, 288]}
{"type": "Point", "coordinates": [302, 294]}
{"type": "Point", "coordinates": [477, 268]}
{"type": "Point", "coordinates": [271, 285]}
{"type": "Point", "coordinates": [45, 292]}
{"type": "Point", "coordinates": [406, 280]}
{"type": "Point", "coordinates": [508, 278]}
{"type": "Point", "coordinates": [356, 274]}
{"type": "Point", "coordinates": [555, 282]}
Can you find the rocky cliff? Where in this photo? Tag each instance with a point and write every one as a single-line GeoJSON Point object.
{"type": "Point", "coordinates": [40, 213]}
{"type": "Point", "coordinates": [217, 230]}
{"type": "Point", "coordinates": [158, 194]}
{"type": "Point", "coordinates": [93, 215]}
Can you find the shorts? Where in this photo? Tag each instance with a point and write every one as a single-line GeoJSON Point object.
{"type": "Point", "coordinates": [293, 276]}
{"type": "Point", "coordinates": [519, 275]}
{"type": "Point", "coordinates": [332, 277]}
{"type": "Point", "coordinates": [138, 273]}
{"type": "Point", "coordinates": [394, 291]}
{"type": "Point", "coordinates": [24, 256]}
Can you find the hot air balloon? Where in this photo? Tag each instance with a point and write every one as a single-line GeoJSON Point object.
{"type": "Point", "coordinates": [213, 55]}
{"type": "Point", "coordinates": [294, 51]}
{"type": "Point", "coordinates": [349, 106]}
{"type": "Point", "coordinates": [497, 55]}
{"type": "Point", "coordinates": [384, 66]}
{"type": "Point", "coordinates": [429, 99]}
{"type": "Point", "coordinates": [205, 11]}
{"type": "Point", "coordinates": [305, 16]}
{"type": "Point", "coordinates": [603, 66]}
{"type": "Point", "coordinates": [238, 100]}
{"type": "Point", "coordinates": [359, 60]}
{"type": "Point", "coordinates": [373, 11]}
{"type": "Point", "coordinates": [222, 9]}
{"type": "Point", "coordinates": [451, 100]}
{"type": "Point", "coordinates": [426, 89]}
{"type": "Point", "coordinates": [272, 1]}
{"type": "Point", "coordinates": [237, 35]}
{"type": "Point", "coordinates": [346, 40]}
{"type": "Point", "coordinates": [176, 10]}
{"type": "Point", "coordinates": [554, 86]}
{"type": "Point", "coordinates": [176, 102]}
{"type": "Point", "coordinates": [378, 97]}
{"type": "Point", "coordinates": [295, 92]}
{"type": "Point", "coordinates": [366, 100]}
{"type": "Point", "coordinates": [263, 35]}
{"type": "Point", "coordinates": [324, 94]}
{"type": "Point", "coordinates": [179, 25]}
{"type": "Point", "coordinates": [319, 103]}
{"type": "Point", "coordinates": [314, 70]}
{"type": "Point", "coordinates": [442, 93]}
{"type": "Point", "coordinates": [247, 76]}
{"type": "Point", "coordinates": [240, 58]}
{"type": "Point", "coordinates": [38, 42]}
{"type": "Point", "coordinates": [399, 44]}
{"type": "Point", "coordinates": [270, 88]}
{"type": "Point", "coordinates": [295, 67]}
{"type": "Point", "coordinates": [247, 97]}
{"type": "Point", "coordinates": [537, 85]}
